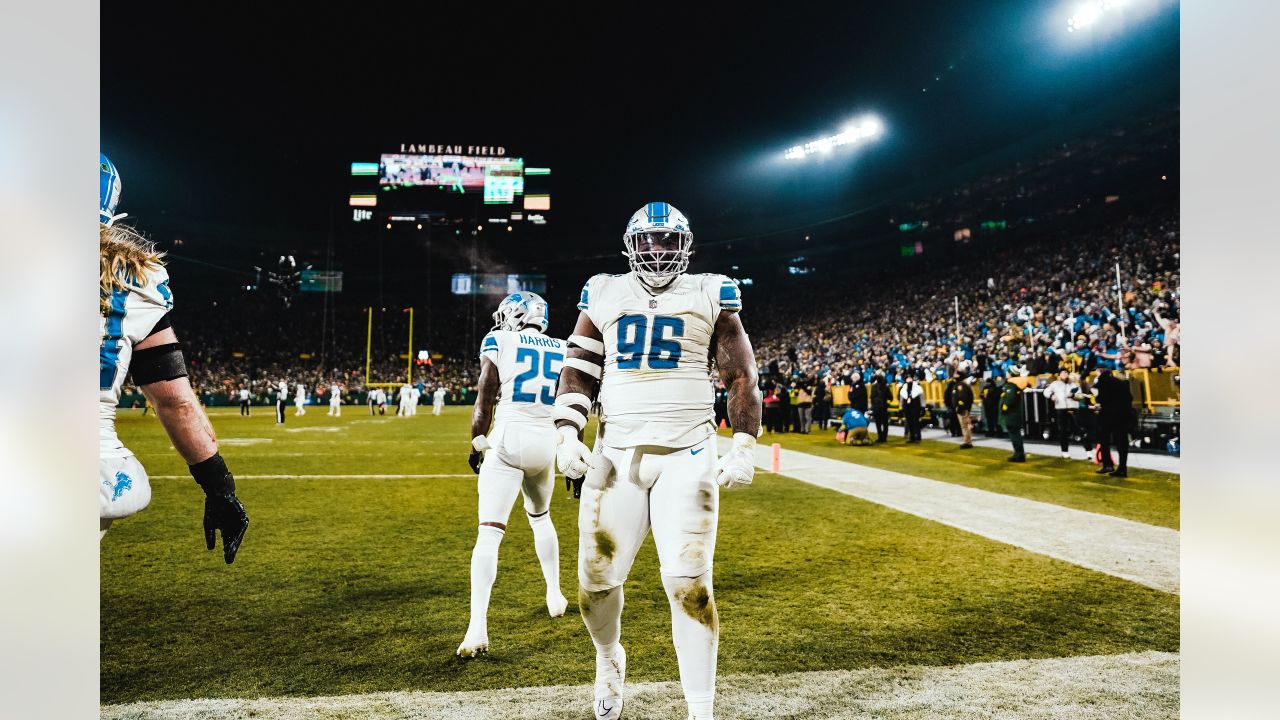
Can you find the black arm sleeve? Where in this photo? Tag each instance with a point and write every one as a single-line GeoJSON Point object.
{"type": "Point", "coordinates": [162, 324]}
{"type": "Point", "coordinates": [156, 364]}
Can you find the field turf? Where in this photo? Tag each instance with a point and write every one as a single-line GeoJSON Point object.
{"type": "Point", "coordinates": [350, 584]}
{"type": "Point", "coordinates": [1147, 496]}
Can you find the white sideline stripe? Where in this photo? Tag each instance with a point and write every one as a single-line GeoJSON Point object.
{"type": "Point", "coordinates": [325, 477]}
{"type": "Point", "coordinates": [1133, 686]}
{"type": "Point", "coordinates": [1134, 551]}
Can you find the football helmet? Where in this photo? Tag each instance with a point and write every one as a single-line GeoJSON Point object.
{"type": "Point", "coordinates": [519, 309]}
{"type": "Point", "coordinates": [108, 190]}
{"type": "Point", "coordinates": [658, 243]}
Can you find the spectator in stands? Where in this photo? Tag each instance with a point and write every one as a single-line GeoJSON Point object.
{"type": "Point", "coordinates": [784, 407]}
{"type": "Point", "coordinates": [771, 409]}
{"type": "Point", "coordinates": [1011, 416]}
{"type": "Point", "coordinates": [880, 406]}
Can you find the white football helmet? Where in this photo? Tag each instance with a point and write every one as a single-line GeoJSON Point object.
{"type": "Point", "coordinates": [519, 309]}
{"type": "Point", "coordinates": [659, 242]}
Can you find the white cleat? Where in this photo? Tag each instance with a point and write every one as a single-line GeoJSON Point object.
{"type": "Point", "coordinates": [474, 645]}
{"type": "Point", "coordinates": [557, 604]}
{"type": "Point", "coordinates": [610, 674]}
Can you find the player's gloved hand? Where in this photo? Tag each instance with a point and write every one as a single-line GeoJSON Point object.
{"type": "Point", "coordinates": [222, 509]}
{"type": "Point", "coordinates": [738, 466]}
{"type": "Point", "coordinates": [479, 444]}
{"type": "Point", "coordinates": [573, 457]}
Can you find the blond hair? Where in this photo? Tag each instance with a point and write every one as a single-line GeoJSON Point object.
{"type": "Point", "coordinates": [124, 257]}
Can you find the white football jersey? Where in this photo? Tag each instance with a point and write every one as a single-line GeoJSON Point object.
{"type": "Point", "coordinates": [134, 312]}
{"type": "Point", "coordinates": [529, 366]}
{"type": "Point", "coordinates": [656, 387]}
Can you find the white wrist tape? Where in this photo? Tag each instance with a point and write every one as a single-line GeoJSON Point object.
{"type": "Point", "coordinates": [587, 344]}
{"type": "Point", "coordinates": [480, 443]}
{"type": "Point", "coordinates": [570, 413]}
{"type": "Point", "coordinates": [572, 398]}
{"type": "Point", "coordinates": [586, 366]}
{"type": "Point", "coordinates": [743, 440]}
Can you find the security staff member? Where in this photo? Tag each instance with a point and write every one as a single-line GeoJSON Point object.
{"type": "Point", "coordinates": [991, 407]}
{"type": "Point", "coordinates": [1115, 415]}
{"type": "Point", "coordinates": [1011, 416]}
{"type": "Point", "coordinates": [964, 405]}
{"type": "Point", "coordinates": [858, 394]}
{"type": "Point", "coordinates": [880, 406]}
{"type": "Point", "coordinates": [949, 401]}
{"type": "Point", "coordinates": [911, 399]}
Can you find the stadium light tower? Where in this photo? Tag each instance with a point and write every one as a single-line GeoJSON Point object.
{"type": "Point", "coordinates": [856, 132]}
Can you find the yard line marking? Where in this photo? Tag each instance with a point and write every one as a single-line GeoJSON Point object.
{"type": "Point", "coordinates": [1024, 473]}
{"type": "Point", "coordinates": [1113, 487]}
{"type": "Point", "coordinates": [1131, 550]}
{"type": "Point", "coordinates": [1134, 686]}
{"type": "Point", "coordinates": [330, 476]}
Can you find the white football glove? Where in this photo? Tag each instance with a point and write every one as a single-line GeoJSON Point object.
{"type": "Point", "coordinates": [573, 457]}
{"type": "Point", "coordinates": [738, 466]}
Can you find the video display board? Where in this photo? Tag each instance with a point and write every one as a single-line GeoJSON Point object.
{"type": "Point", "coordinates": [499, 178]}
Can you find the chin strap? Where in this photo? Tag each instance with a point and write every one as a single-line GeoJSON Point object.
{"type": "Point", "coordinates": [111, 221]}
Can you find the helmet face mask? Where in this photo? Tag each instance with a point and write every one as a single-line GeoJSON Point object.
{"type": "Point", "coordinates": [658, 244]}
{"type": "Point", "coordinates": [519, 309]}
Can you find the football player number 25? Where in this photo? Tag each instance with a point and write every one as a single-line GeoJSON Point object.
{"type": "Point", "coordinates": [548, 364]}
{"type": "Point", "coordinates": [634, 331]}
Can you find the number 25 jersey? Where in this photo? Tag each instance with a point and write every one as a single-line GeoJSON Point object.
{"type": "Point", "coordinates": [528, 365]}
{"type": "Point", "coordinates": [656, 386]}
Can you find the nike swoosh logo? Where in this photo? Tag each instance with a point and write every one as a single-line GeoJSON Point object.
{"type": "Point", "coordinates": [695, 452]}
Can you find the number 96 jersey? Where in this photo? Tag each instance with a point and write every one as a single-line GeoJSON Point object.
{"type": "Point", "coordinates": [528, 364]}
{"type": "Point", "coordinates": [656, 385]}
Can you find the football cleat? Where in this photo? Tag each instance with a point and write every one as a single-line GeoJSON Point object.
{"type": "Point", "coordinates": [658, 243]}
{"type": "Point", "coordinates": [519, 309]}
{"type": "Point", "coordinates": [557, 603]}
{"type": "Point", "coordinates": [474, 645]}
{"type": "Point", "coordinates": [611, 672]}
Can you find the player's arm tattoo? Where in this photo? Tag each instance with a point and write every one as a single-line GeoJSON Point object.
{"type": "Point", "coordinates": [487, 389]}
{"type": "Point", "coordinates": [737, 363]}
{"type": "Point", "coordinates": [580, 378]}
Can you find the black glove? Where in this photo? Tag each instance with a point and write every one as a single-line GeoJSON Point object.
{"type": "Point", "coordinates": [474, 461]}
{"type": "Point", "coordinates": [222, 509]}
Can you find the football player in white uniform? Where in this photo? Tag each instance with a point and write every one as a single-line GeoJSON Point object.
{"type": "Point", "coordinates": [335, 401]}
{"type": "Point", "coordinates": [519, 369]}
{"type": "Point", "coordinates": [300, 400]}
{"type": "Point", "coordinates": [644, 343]}
{"type": "Point", "coordinates": [137, 340]}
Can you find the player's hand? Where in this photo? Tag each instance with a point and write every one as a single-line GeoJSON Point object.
{"type": "Point", "coordinates": [479, 444]}
{"type": "Point", "coordinates": [738, 466]}
{"type": "Point", "coordinates": [573, 457]}
{"type": "Point", "coordinates": [224, 512]}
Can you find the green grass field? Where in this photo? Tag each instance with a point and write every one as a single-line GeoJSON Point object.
{"type": "Point", "coordinates": [347, 584]}
{"type": "Point", "coordinates": [1148, 496]}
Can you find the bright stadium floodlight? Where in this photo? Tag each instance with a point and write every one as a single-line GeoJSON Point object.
{"type": "Point", "coordinates": [856, 132]}
{"type": "Point", "coordinates": [1091, 12]}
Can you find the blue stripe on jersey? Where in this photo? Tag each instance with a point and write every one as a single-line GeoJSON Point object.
{"type": "Point", "coordinates": [582, 301]}
{"type": "Point", "coordinates": [490, 344]}
{"type": "Point", "coordinates": [112, 341]}
{"type": "Point", "coordinates": [729, 294]}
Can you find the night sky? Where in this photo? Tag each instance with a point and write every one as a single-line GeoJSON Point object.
{"type": "Point", "coordinates": [242, 126]}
